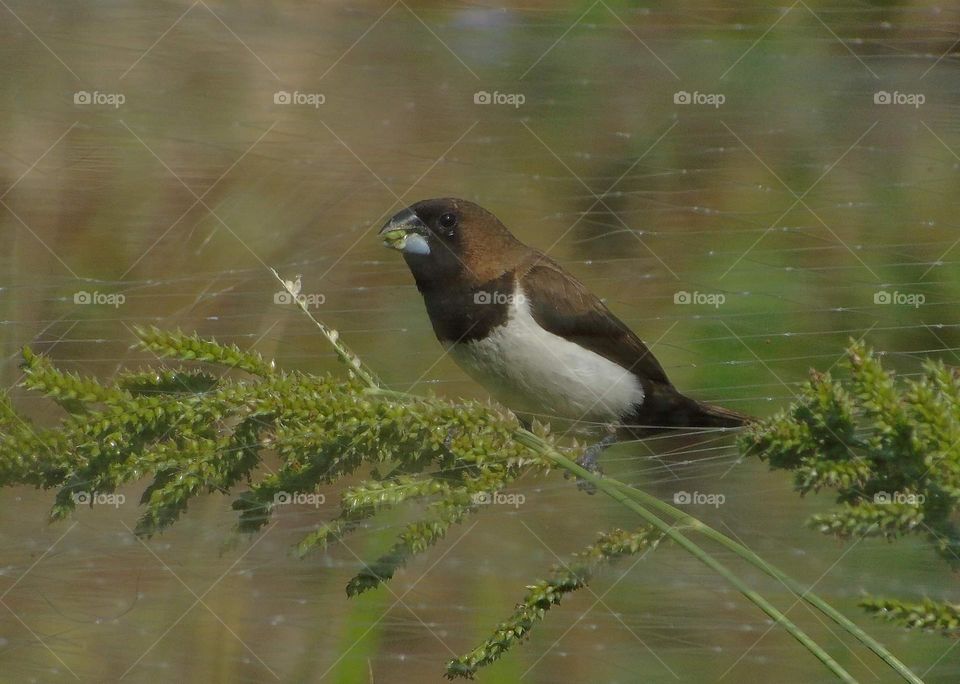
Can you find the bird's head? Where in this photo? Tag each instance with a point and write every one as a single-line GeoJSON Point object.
{"type": "Point", "coordinates": [448, 239]}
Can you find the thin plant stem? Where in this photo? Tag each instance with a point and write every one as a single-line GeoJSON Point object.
{"type": "Point", "coordinates": [670, 530]}
{"type": "Point", "coordinates": [805, 594]}
{"type": "Point", "coordinates": [333, 337]}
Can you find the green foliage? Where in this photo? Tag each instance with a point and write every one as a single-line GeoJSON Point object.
{"type": "Point", "coordinates": [71, 391]}
{"type": "Point", "coordinates": [153, 381]}
{"type": "Point", "coordinates": [190, 432]}
{"type": "Point", "coordinates": [930, 615]}
{"type": "Point", "coordinates": [545, 594]}
{"type": "Point", "coordinates": [891, 451]}
{"type": "Point", "coordinates": [192, 348]}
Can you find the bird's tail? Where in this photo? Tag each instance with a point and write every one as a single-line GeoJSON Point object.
{"type": "Point", "coordinates": [710, 415]}
{"type": "Point", "coordinates": [664, 408]}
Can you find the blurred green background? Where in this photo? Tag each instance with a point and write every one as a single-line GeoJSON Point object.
{"type": "Point", "coordinates": [802, 199]}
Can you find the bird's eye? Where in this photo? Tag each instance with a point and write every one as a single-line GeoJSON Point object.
{"type": "Point", "coordinates": [448, 220]}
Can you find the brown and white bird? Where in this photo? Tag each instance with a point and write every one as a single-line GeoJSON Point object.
{"type": "Point", "coordinates": [532, 334]}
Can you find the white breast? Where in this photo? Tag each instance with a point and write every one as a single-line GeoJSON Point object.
{"type": "Point", "coordinates": [531, 370]}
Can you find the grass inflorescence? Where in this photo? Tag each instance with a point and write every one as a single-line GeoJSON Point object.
{"type": "Point", "coordinates": [206, 424]}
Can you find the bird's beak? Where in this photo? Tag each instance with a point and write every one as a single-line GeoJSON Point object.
{"type": "Point", "coordinates": [407, 233]}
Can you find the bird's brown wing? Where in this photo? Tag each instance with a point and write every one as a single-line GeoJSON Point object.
{"type": "Point", "coordinates": [563, 306]}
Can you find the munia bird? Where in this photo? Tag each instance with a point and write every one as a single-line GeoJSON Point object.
{"type": "Point", "coordinates": [533, 335]}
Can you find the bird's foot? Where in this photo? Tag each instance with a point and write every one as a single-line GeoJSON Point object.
{"type": "Point", "coordinates": [590, 460]}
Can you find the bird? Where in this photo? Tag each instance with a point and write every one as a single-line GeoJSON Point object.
{"type": "Point", "coordinates": [533, 335]}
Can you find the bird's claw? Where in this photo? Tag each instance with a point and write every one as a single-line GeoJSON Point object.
{"type": "Point", "coordinates": [590, 460]}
